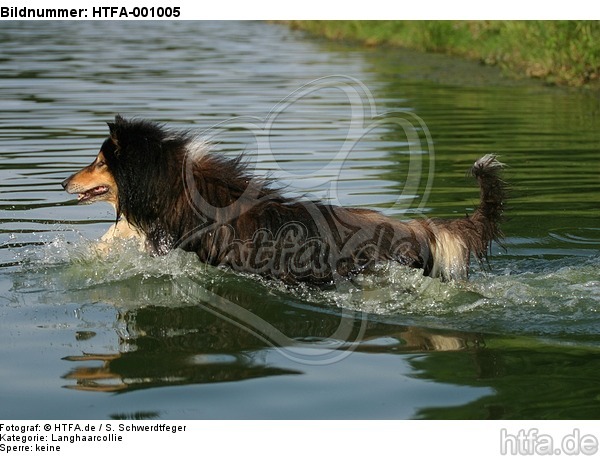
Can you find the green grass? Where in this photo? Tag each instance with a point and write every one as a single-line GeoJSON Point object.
{"type": "Point", "coordinates": [558, 52]}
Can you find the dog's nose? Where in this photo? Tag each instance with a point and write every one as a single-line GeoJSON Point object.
{"type": "Point", "coordinates": [66, 182]}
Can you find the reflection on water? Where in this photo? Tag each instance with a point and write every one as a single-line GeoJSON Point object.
{"type": "Point", "coordinates": [391, 345]}
{"type": "Point", "coordinates": [194, 346]}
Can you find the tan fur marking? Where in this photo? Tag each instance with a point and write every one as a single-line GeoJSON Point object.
{"type": "Point", "coordinates": [94, 175]}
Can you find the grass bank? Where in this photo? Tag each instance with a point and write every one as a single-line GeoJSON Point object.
{"type": "Point", "coordinates": [558, 52]}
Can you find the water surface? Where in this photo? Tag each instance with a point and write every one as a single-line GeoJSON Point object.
{"type": "Point", "coordinates": [131, 336]}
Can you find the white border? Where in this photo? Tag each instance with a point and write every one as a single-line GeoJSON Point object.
{"type": "Point", "coordinates": [307, 438]}
{"type": "Point", "coordinates": [336, 10]}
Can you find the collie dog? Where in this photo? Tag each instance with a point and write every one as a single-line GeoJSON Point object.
{"type": "Point", "coordinates": [170, 192]}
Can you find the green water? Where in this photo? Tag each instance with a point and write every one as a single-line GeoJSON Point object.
{"type": "Point", "coordinates": [131, 336]}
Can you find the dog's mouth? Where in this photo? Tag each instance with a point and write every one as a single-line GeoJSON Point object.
{"type": "Point", "coordinates": [93, 193]}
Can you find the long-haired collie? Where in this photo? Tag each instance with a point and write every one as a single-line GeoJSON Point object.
{"type": "Point", "coordinates": [170, 192]}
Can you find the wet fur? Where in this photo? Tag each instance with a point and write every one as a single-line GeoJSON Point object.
{"type": "Point", "coordinates": [173, 193]}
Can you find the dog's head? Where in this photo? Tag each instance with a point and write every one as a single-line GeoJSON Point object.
{"type": "Point", "coordinates": [128, 168]}
{"type": "Point", "coordinates": [98, 181]}
{"type": "Point", "coordinates": [95, 182]}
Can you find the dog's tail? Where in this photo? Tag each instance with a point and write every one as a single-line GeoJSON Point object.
{"type": "Point", "coordinates": [492, 190]}
{"type": "Point", "coordinates": [453, 241]}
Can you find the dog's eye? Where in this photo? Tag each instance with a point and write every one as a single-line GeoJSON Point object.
{"type": "Point", "coordinates": [101, 163]}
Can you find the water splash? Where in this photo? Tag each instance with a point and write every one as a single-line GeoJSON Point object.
{"type": "Point", "coordinates": [521, 296]}
{"type": "Point", "coordinates": [122, 275]}
{"type": "Point", "coordinates": [559, 296]}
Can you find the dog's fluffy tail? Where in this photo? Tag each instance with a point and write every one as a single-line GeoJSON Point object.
{"type": "Point", "coordinates": [453, 241]}
{"type": "Point", "coordinates": [492, 190]}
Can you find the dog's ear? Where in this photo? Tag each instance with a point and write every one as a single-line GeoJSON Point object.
{"type": "Point", "coordinates": [113, 128]}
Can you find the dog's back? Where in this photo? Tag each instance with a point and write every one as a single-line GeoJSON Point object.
{"type": "Point", "coordinates": [257, 230]}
